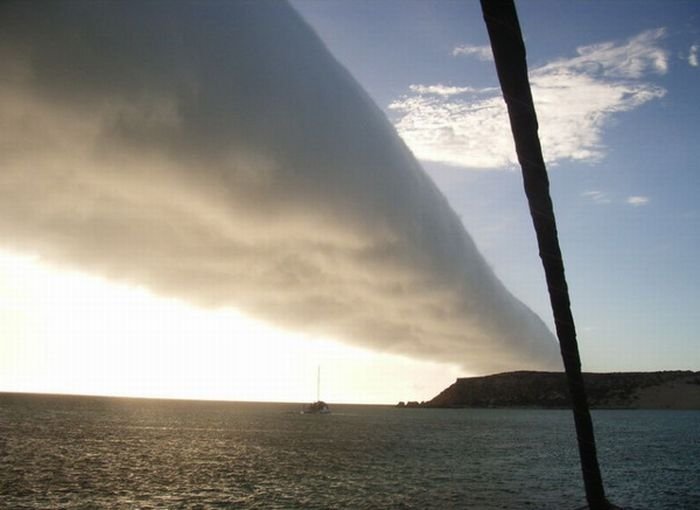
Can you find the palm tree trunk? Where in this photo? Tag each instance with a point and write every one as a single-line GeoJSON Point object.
{"type": "Point", "coordinates": [511, 65]}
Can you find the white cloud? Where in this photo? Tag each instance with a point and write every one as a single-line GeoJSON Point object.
{"type": "Point", "coordinates": [483, 53]}
{"type": "Point", "coordinates": [693, 55]}
{"type": "Point", "coordinates": [575, 98]}
{"type": "Point", "coordinates": [635, 58]}
{"type": "Point", "coordinates": [441, 90]}
{"type": "Point", "coordinates": [458, 132]}
{"type": "Point", "coordinates": [599, 197]}
{"type": "Point", "coordinates": [637, 201]}
{"type": "Point", "coordinates": [604, 197]}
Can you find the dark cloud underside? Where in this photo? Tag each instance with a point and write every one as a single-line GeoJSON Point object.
{"type": "Point", "coordinates": [218, 153]}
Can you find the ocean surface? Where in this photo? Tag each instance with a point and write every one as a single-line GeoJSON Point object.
{"type": "Point", "coordinates": [88, 452]}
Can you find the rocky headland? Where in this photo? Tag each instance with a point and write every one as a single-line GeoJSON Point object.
{"type": "Point", "coordinates": [619, 390]}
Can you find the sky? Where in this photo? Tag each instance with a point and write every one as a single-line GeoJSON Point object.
{"type": "Point", "coordinates": [212, 202]}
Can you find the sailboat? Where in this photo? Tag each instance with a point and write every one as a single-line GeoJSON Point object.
{"type": "Point", "coordinates": [318, 407]}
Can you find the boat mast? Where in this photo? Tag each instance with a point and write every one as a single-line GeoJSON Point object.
{"type": "Point", "coordinates": [511, 64]}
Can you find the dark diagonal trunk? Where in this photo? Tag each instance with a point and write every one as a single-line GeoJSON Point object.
{"type": "Point", "coordinates": [509, 53]}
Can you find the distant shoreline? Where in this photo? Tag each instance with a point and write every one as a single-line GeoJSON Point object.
{"type": "Point", "coordinates": [41, 394]}
{"type": "Point", "coordinates": [673, 390]}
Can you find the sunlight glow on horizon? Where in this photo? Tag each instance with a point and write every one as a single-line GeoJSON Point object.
{"type": "Point", "coordinates": [70, 332]}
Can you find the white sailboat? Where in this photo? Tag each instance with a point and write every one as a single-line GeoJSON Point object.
{"type": "Point", "coordinates": [318, 407]}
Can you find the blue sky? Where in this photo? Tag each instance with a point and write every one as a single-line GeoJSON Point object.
{"type": "Point", "coordinates": [628, 215]}
{"type": "Point", "coordinates": [207, 205]}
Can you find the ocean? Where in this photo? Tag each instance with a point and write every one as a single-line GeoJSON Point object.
{"type": "Point", "coordinates": [91, 452]}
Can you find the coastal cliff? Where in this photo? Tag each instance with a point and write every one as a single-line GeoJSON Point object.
{"type": "Point", "coordinates": [623, 390]}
